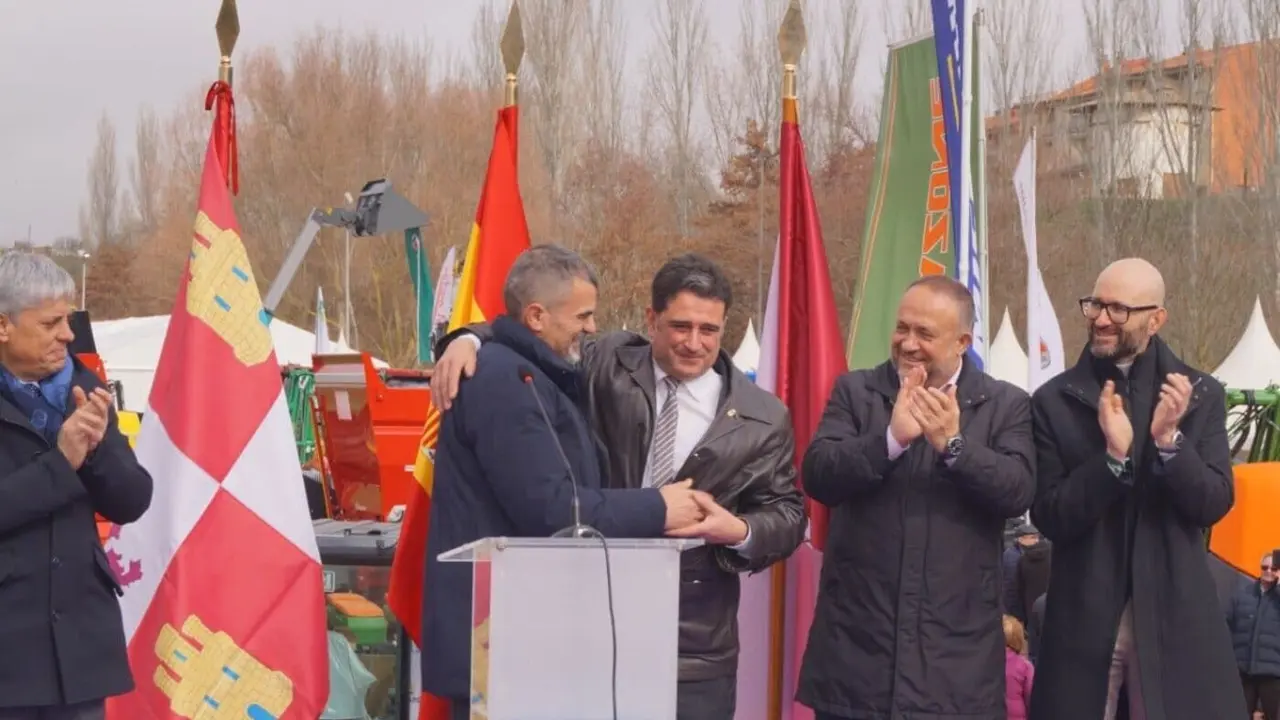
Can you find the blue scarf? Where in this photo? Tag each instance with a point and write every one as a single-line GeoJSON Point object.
{"type": "Point", "coordinates": [44, 403]}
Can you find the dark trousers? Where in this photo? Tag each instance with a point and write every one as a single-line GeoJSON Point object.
{"type": "Point", "coordinates": [1262, 693]}
{"type": "Point", "coordinates": [93, 710]}
{"type": "Point", "coordinates": [714, 699]}
{"type": "Point", "coordinates": [458, 710]}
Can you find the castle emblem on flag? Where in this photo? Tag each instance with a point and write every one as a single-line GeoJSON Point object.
{"type": "Point", "coordinates": [222, 292]}
{"type": "Point", "coordinates": [216, 679]}
{"type": "Point", "coordinates": [126, 573]}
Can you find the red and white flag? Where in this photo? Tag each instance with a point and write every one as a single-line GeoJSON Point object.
{"type": "Point", "coordinates": [224, 602]}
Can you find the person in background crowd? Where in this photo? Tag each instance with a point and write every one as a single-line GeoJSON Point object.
{"type": "Point", "coordinates": [673, 406]}
{"type": "Point", "coordinates": [920, 459]}
{"type": "Point", "coordinates": [1254, 619]}
{"type": "Point", "coordinates": [62, 458]}
{"type": "Point", "coordinates": [1025, 537]}
{"type": "Point", "coordinates": [1035, 628]}
{"type": "Point", "coordinates": [1031, 576]}
{"type": "Point", "coordinates": [1018, 672]}
{"type": "Point", "coordinates": [1133, 466]}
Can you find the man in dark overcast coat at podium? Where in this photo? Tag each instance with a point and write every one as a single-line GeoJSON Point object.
{"type": "Point", "coordinates": [670, 407]}
{"type": "Point", "coordinates": [498, 471]}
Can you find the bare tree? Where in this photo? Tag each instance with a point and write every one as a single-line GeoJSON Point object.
{"type": "Point", "coordinates": [147, 172]}
{"type": "Point", "coordinates": [1019, 63]}
{"type": "Point", "coordinates": [553, 31]}
{"type": "Point", "coordinates": [1262, 136]}
{"type": "Point", "coordinates": [101, 221]}
{"type": "Point", "coordinates": [675, 74]}
{"type": "Point", "coordinates": [485, 67]}
{"type": "Point", "coordinates": [602, 74]}
{"type": "Point", "coordinates": [906, 19]}
{"type": "Point", "coordinates": [837, 66]}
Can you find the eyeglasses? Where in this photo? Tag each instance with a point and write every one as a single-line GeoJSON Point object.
{"type": "Point", "coordinates": [1267, 568]}
{"type": "Point", "coordinates": [1118, 312]}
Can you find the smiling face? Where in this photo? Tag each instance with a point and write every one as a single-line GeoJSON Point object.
{"type": "Point", "coordinates": [1125, 310]}
{"type": "Point", "coordinates": [564, 323]}
{"type": "Point", "coordinates": [33, 344]}
{"type": "Point", "coordinates": [686, 335]}
{"type": "Point", "coordinates": [929, 334]}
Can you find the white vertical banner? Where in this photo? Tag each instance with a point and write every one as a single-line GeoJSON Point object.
{"type": "Point", "coordinates": [1044, 335]}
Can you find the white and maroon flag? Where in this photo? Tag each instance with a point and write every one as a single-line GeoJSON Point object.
{"type": "Point", "coordinates": [224, 603]}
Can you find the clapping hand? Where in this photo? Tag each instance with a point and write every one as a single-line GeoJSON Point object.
{"type": "Point", "coordinates": [902, 424]}
{"type": "Point", "coordinates": [937, 413]}
{"type": "Point", "coordinates": [1114, 422]}
{"type": "Point", "coordinates": [85, 428]}
{"type": "Point", "coordinates": [1175, 398]}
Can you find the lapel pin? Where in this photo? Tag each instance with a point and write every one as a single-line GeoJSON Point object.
{"type": "Point", "coordinates": [732, 413]}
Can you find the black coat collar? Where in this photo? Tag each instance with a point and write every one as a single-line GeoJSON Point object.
{"type": "Point", "coordinates": [514, 335]}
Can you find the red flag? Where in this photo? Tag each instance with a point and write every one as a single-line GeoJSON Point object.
{"type": "Point", "coordinates": [498, 236]}
{"type": "Point", "coordinates": [801, 355]}
{"type": "Point", "coordinates": [224, 606]}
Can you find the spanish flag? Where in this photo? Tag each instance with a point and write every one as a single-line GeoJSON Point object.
{"type": "Point", "coordinates": [498, 236]}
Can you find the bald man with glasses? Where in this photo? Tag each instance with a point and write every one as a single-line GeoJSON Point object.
{"type": "Point", "coordinates": [1132, 466]}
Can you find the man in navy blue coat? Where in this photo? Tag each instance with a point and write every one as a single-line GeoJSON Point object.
{"type": "Point", "coordinates": [498, 471]}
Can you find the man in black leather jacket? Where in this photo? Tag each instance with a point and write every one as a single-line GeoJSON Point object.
{"type": "Point", "coordinates": [731, 438]}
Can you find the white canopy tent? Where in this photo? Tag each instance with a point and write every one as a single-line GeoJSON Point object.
{"type": "Point", "coordinates": [1005, 358]}
{"type": "Point", "coordinates": [747, 358]}
{"type": "Point", "coordinates": [130, 349]}
{"type": "Point", "coordinates": [1254, 363]}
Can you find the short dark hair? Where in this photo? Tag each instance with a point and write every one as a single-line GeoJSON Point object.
{"type": "Point", "coordinates": [543, 274]}
{"type": "Point", "coordinates": [953, 289]}
{"type": "Point", "coordinates": [690, 273]}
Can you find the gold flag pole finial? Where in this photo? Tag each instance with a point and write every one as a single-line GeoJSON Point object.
{"type": "Point", "coordinates": [512, 46]}
{"type": "Point", "coordinates": [791, 42]}
{"type": "Point", "coordinates": [228, 27]}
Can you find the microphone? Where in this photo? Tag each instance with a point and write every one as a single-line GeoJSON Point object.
{"type": "Point", "coordinates": [577, 530]}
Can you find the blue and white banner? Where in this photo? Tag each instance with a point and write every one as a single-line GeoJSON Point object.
{"type": "Point", "coordinates": [962, 118]}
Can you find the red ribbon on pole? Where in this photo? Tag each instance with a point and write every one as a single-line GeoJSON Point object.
{"type": "Point", "coordinates": [224, 129]}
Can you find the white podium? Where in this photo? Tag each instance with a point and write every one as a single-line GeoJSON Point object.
{"type": "Point", "coordinates": [542, 641]}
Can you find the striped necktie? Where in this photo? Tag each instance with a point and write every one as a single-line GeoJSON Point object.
{"type": "Point", "coordinates": [664, 437]}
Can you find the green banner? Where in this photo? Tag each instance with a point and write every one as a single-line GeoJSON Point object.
{"type": "Point", "coordinates": [908, 232]}
{"type": "Point", "coordinates": [415, 253]}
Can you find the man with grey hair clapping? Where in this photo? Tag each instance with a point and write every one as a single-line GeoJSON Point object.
{"type": "Point", "coordinates": [62, 458]}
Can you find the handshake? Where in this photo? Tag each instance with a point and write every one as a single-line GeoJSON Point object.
{"type": "Point", "coordinates": [87, 425]}
{"type": "Point", "coordinates": [694, 513]}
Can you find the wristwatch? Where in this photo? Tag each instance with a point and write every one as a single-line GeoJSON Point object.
{"type": "Point", "coordinates": [1175, 447]}
{"type": "Point", "coordinates": [955, 446]}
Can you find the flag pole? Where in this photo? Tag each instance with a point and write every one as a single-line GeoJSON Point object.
{"type": "Point", "coordinates": [791, 45]}
{"type": "Point", "coordinates": [512, 46]}
{"type": "Point", "coordinates": [978, 116]}
{"type": "Point", "coordinates": [220, 99]}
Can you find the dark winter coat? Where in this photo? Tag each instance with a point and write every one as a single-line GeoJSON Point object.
{"type": "Point", "coordinates": [1254, 619]}
{"type": "Point", "coordinates": [1139, 535]}
{"type": "Point", "coordinates": [908, 619]}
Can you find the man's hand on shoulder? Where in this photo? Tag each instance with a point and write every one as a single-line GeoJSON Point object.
{"type": "Point", "coordinates": [459, 361]}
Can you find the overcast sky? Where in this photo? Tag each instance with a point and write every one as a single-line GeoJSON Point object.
{"type": "Point", "coordinates": [64, 62]}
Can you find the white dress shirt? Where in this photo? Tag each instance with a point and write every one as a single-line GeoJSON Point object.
{"type": "Point", "coordinates": [697, 402]}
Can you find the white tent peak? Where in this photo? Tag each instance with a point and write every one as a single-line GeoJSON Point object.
{"type": "Point", "coordinates": [747, 358]}
{"type": "Point", "coordinates": [1254, 363]}
{"type": "Point", "coordinates": [1005, 358]}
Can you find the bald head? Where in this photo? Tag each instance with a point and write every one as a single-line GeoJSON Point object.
{"type": "Point", "coordinates": [1132, 281]}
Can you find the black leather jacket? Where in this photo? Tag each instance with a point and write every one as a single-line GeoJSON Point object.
{"type": "Point", "coordinates": [746, 461]}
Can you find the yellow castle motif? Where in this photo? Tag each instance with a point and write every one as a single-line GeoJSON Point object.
{"type": "Point", "coordinates": [223, 293]}
{"type": "Point", "coordinates": [209, 677]}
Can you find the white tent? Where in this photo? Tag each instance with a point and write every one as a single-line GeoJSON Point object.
{"type": "Point", "coordinates": [130, 349]}
{"type": "Point", "coordinates": [1005, 358]}
{"type": "Point", "coordinates": [748, 356]}
{"type": "Point", "coordinates": [1255, 362]}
